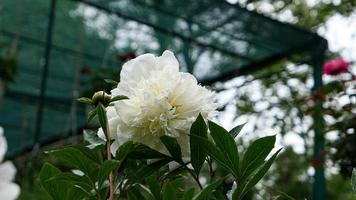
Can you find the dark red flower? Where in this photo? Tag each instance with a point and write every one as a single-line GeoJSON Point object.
{"type": "Point", "coordinates": [85, 70]}
{"type": "Point", "coordinates": [127, 56]}
{"type": "Point", "coordinates": [335, 67]}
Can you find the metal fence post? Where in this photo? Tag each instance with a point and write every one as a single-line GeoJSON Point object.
{"type": "Point", "coordinates": [319, 191]}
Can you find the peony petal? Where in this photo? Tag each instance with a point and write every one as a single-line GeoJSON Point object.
{"type": "Point", "coordinates": [3, 144]}
{"type": "Point", "coordinates": [9, 191]}
{"type": "Point", "coordinates": [168, 60]}
{"type": "Point", "coordinates": [8, 171]}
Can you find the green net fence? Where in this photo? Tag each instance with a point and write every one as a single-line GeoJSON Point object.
{"type": "Point", "coordinates": [213, 39]}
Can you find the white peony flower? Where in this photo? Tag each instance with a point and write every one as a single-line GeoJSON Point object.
{"type": "Point", "coordinates": [162, 101]}
{"type": "Point", "coordinates": [8, 190]}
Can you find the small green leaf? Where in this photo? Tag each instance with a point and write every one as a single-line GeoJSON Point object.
{"type": "Point", "coordinates": [85, 100]}
{"type": "Point", "coordinates": [112, 82]}
{"type": "Point", "coordinates": [91, 115]}
{"type": "Point", "coordinates": [226, 143]}
{"type": "Point", "coordinates": [105, 169]}
{"type": "Point", "coordinates": [197, 152]}
{"type": "Point", "coordinates": [206, 192]}
{"type": "Point", "coordinates": [256, 154]}
{"type": "Point", "coordinates": [259, 174]}
{"type": "Point", "coordinates": [92, 138]}
{"type": "Point", "coordinates": [173, 147]}
{"type": "Point", "coordinates": [118, 98]}
{"type": "Point", "coordinates": [236, 130]}
{"type": "Point", "coordinates": [100, 110]}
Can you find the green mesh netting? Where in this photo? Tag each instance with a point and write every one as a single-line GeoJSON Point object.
{"type": "Point", "coordinates": [212, 39]}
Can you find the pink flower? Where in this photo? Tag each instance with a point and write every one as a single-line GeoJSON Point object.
{"type": "Point", "coordinates": [335, 67]}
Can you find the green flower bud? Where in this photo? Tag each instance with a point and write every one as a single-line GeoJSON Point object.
{"type": "Point", "coordinates": [101, 97]}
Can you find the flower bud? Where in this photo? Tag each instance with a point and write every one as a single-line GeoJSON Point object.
{"type": "Point", "coordinates": [101, 97]}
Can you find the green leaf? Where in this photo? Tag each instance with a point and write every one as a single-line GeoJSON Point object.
{"type": "Point", "coordinates": [189, 194]}
{"type": "Point", "coordinates": [259, 174]}
{"type": "Point", "coordinates": [226, 143]}
{"type": "Point", "coordinates": [213, 152]}
{"type": "Point", "coordinates": [92, 138]}
{"type": "Point", "coordinates": [236, 130]}
{"type": "Point", "coordinates": [173, 147]}
{"type": "Point", "coordinates": [91, 115]}
{"type": "Point", "coordinates": [197, 152]}
{"type": "Point", "coordinates": [100, 110]}
{"type": "Point", "coordinates": [140, 193]}
{"type": "Point", "coordinates": [124, 150]}
{"type": "Point", "coordinates": [169, 192]}
{"type": "Point", "coordinates": [81, 182]}
{"type": "Point", "coordinates": [147, 170]}
{"type": "Point", "coordinates": [105, 169]}
{"type": "Point", "coordinates": [85, 100]}
{"type": "Point", "coordinates": [54, 189]}
{"type": "Point", "coordinates": [154, 187]}
{"type": "Point", "coordinates": [112, 82]}
{"type": "Point", "coordinates": [206, 192]}
{"type": "Point", "coordinates": [141, 152]}
{"type": "Point", "coordinates": [76, 159]}
{"type": "Point", "coordinates": [118, 98]}
{"type": "Point", "coordinates": [92, 154]}
{"type": "Point", "coordinates": [256, 154]}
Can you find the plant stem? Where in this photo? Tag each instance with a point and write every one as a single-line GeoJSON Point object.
{"type": "Point", "coordinates": [111, 178]}
{"type": "Point", "coordinates": [108, 152]}
{"type": "Point", "coordinates": [196, 178]}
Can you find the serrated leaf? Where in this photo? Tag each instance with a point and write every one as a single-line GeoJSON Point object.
{"type": "Point", "coordinates": [85, 100]}
{"type": "Point", "coordinates": [256, 154]}
{"type": "Point", "coordinates": [259, 174]}
{"type": "Point", "coordinates": [226, 143]}
{"type": "Point", "coordinates": [92, 138]}
{"type": "Point", "coordinates": [197, 152]}
{"type": "Point", "coordinates": [118, 98]}
{"type": "Point", "coordinates": [91, 115]}
{"type": "Point", "coordinates": [173, 147]}
{"type": "Point", "coordinates": [236, 130]}
{"type": "Point", "coordinates": [206, 192]}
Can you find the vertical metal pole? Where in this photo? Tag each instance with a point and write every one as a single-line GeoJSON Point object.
{"type": "Point", "coordinates": [47, 56]}
{"type": "Point", "coordinates": [319, 140]}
